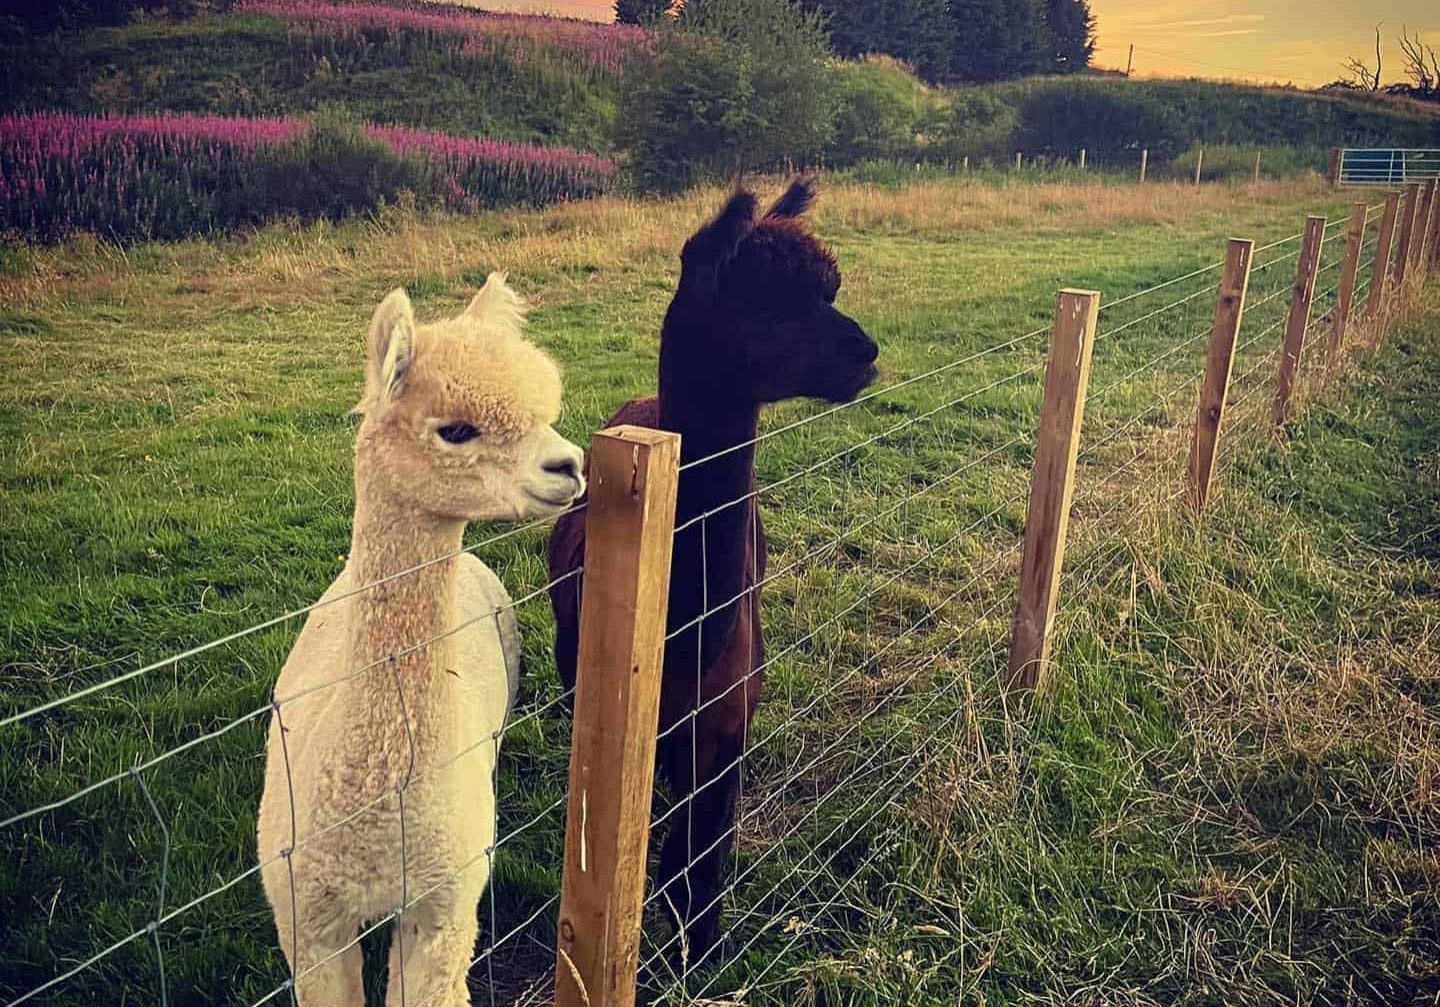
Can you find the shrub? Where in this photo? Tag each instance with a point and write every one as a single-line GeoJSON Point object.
{"type": "Point", "coordinates": [1059, 121]}
{"type": "Point", "coordinates": [1079, 112]}
{"type": "Point", "coordinates": [977, 125]}
{"type": "Point", "coordinates": [734, 85]}
{"type": "Point", "coordinates": [878, 111]}
{"type": "Point", "coordinates": [333, 170]}
{"type": "Point", "coordinates": [1228, 162]}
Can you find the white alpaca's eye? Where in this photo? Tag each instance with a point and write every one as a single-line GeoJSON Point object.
{"type": "Point", "coordinates": [457, 433]}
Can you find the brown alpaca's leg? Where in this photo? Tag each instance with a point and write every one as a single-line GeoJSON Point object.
{"type": "Point", "coordinates": [702, 834]}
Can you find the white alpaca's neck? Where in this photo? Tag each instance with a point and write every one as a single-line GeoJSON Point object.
{"type": "Point", "coordinates": [395, 619]}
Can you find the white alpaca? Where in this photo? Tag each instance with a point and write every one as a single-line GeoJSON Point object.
{"type": "Point", "coordinates": [457, 428]}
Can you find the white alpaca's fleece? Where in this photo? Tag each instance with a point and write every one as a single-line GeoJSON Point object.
{"type": "Point", "coordinates": [394, 696]}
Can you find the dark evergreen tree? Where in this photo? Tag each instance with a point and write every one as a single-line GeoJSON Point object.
{"type": "Point", "coordinates": [916, 31]}
{"type": "Point", "coordinates": [640, 11]}
{"type": "Point", "coordinates": [39, 16]}
{"type": "Point", "coordinates": [997, 39]}
{"type": "Point", "coordinates": [1070, 28]}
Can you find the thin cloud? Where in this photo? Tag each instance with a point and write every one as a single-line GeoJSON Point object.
{"type": "Point", "coordinates": [1232, 19]}
{"type": "Point", "coordinates": [1224, 34]}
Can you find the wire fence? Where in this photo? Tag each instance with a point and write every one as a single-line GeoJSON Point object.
{"type": "Point", "coordinates": [895, 526]}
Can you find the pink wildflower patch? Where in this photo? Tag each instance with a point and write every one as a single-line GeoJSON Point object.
{"type": "Point", "coordinates": [601, 45]}
{"type": "Point", "coordinates": [174, 174]}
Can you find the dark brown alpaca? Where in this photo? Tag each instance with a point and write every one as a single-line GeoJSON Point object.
{"type": "Point", "coordinates": [752, 321]}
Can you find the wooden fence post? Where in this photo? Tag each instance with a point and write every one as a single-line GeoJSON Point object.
{"type": "Point", "coordinates": [1047, 521]}
{"type": "Point", "coordinates": [1019, 160]}
{"type": "Point", "coordinates": [1380, 277]}
{"type": "Point", "coordinates": [1336, 160]}
{"type": "Point", "coordinates": [1229, 309]}
{"type": "Point", "coordinates": [1257, 167]}
{"type": "Point", "coordinates": [1424, 227]}
{"type": "Point", "coordinates": [1199, 163]}
{"type": "Point", "coordinates": [1301, 297]}
{"type": "Point", "coordinates": [630, 524]}
{"type": "Point", "coordinates": [1408, 210]}
{"type": "Point", "coordinates": [1433, 264]}
{"type": "Point", "coordinates": [1349, 269]}
{"type": "Point", "coordinates": [1144, 162]}
{"type": "Point", "coordinates": [1082, 158]}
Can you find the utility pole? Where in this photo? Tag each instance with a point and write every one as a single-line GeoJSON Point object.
{"type": "Point", "coordinates": [1130, 60]}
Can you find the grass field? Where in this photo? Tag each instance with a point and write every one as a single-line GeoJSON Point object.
{"type": "Point", "coordinates": [1229, 798]}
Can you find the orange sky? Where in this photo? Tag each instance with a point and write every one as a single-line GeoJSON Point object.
{"type": "Point", "coordinates": [1303, 41]}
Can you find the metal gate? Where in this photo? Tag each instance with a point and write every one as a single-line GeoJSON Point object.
{"type": "Point", "coordinates": [1387, 166]}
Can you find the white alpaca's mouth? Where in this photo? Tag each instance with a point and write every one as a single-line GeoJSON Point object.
{"type": "Point", "coordinates": [560, 501]}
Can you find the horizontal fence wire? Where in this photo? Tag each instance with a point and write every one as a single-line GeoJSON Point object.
{"type": "Point", "coordinates": [174, 659]}
{"type": "Point", "coordinates": [522, 927]}
{"type": "Point", "coordinates": [280, 701]}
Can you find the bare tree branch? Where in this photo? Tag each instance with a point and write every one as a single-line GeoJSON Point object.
{"type": "Point", "coordinates": [1419, 59]}
{"type": "Point", "coordinates": [1362, 76]}
{"type": "Point", "coordinates": [1378, 65]}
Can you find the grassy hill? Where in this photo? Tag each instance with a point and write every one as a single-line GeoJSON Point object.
{"type": "Point", "coordinates": [1217, 112]}
{"type": "Point", "coordinates": [461, 72]}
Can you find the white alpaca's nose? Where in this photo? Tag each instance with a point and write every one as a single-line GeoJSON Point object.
{"type": "Point", "coordinates": [566, 466]}
{"type": "Point", "coordinates": [564, 462]}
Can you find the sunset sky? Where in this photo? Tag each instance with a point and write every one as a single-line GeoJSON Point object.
{"type": "Point", "coordinates": [1302, 41]}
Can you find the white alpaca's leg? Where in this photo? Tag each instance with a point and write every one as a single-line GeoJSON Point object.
{"type": "Point", "coordinates": [325, 976]}
{"type": "Point", "coordinates": [337, 983]}
{"type": "Point", "coordinates": [432, 948]}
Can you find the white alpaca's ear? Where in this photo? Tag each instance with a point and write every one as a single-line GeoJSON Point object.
{"type": "Point", "coordinates": [498, 306]}
{"type": "Point", "coordinates": [391, 350]}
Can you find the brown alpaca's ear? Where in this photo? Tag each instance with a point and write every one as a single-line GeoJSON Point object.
{"type": "Point", "coordinates": [796, 200]}
{"type": "Point", "coordinates": [712, 247]}
{"type": "Point", "coordinates": [390, 351]}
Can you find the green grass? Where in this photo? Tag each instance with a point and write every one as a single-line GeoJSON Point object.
{"type": "Point", "coordinates": [1216, 805]}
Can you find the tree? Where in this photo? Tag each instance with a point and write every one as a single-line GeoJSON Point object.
{"type": "Point", "coordinates": [642, 12]}
{"type": "Point", "coordinates": [1362, 77]}
{"type": "Point", "coordinates": [997, 39]}
{"type": "Point", "coordinates": [1070, 28]}
{"type": "Point", "coordinates": [920, 32]}
{"type": "Point", "coordinates": [732, 85]}
{"type": "Point", "coordinates": [79, 14]}
{"type": "Point", "coordinates": [1421, 64]}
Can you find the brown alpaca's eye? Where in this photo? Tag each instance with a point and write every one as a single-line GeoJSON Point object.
{"type": "Point", "coordinates": [457, 433]}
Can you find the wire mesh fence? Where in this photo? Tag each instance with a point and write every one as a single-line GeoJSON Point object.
{"type": "Point", "coordinates": [157, 869]}
{"type": "Point", "coordinates": [894, 524]}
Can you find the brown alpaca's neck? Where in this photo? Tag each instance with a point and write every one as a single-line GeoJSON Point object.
{"type": "Point", "coordinates": [407, 606]}
{"type": "Point", "coordinates": [712, 557]}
